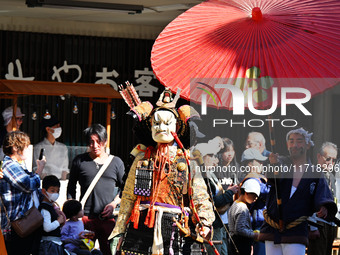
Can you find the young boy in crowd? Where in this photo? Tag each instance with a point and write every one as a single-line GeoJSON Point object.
{"type": "Point", "coordinates": [255, 161]}
{"type": "Point", "coordinates": [53, 218]}
{"type": "Point", "coordinates": [239, 218]}
{"type": "Point", "coordinates": [73, 230]}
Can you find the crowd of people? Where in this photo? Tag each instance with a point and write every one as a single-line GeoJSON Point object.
{"type": "Point", "coordinates": [61, 231]}
{"type": "Point", "coordinates": [175, 198]}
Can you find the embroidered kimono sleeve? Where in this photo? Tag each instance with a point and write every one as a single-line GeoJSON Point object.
{"type": "Point", "coordinates": [201, 197]}
{"type": "Point", "coordinates": [128, 200]}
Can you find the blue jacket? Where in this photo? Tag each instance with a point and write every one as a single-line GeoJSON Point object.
{"type": "Point", "coordinates": [311, 193]}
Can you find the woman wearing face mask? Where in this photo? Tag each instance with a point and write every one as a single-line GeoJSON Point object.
{"type": "Point", "coordinates": [17, 190]}
{"type": "Point", "coordinates": [55, 152]}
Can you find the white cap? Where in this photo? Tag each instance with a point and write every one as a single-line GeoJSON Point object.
{"type": "Point", "coordinates": [212, 147]}
{"type": "Point", "coordinates": [7, 114]}
{"type": "Point", "coordinates": [252, 186]}
{"type": "Point", "coordinates": [251, 154]}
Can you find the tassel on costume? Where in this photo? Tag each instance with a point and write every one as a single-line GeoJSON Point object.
{"type": "Point", "coordinates": [150, 217]}
{"type": "Point", "coordinates": [135, 213]}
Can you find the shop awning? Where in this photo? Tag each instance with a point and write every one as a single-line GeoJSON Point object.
{"type": "Point", "coordinates": [103, 92]}
{"type": "Point", "coordinates": [46, 88]}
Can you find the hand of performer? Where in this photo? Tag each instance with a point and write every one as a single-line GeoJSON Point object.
{"type": "Point", "coordinates": [322, 213]}
{"type": "Point", "coordinates": [204, 232]}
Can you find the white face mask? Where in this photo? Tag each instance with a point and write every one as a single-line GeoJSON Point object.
{"type": "Point", "coordinates": [52, 196]}
{"type": "Point", "coordinates": [57, 132]}
{"type": "Point", "coordinates": [163, 123]}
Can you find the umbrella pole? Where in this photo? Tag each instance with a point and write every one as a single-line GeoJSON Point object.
{"type": "Point", "coordinates": [277, 187]}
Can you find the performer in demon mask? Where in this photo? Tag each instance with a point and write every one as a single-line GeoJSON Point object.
{"type": "Point", "coordinates": [162, 190]}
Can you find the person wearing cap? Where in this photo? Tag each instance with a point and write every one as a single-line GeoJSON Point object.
{"type": "Point", "coordinates": [303, 190]}
{"type": "Point", "coordinates": [55, 152]}
{"type": "Point", "coordinates": [239, 218]}
{"type": "Point", "coordinates": [10, 123]}
{"type": "Point", "coordinates": [252, 161]}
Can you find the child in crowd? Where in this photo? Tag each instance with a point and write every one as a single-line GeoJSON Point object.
{"type": "Point", "coordinates": [53, 218]}
{"type": "Point", "coordinates": [73, 231]}
{"type": "Point", "coordinates": [239, 218]}
{"type": "Point", "coordinates": [254, 161]}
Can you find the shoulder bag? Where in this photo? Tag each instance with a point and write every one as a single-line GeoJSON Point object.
{"type": "Point", "coordinates": [95, 180]}
{"type": "Point", "coordinates": [27, 224]}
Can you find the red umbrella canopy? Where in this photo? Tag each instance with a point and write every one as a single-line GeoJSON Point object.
{"type": "Point", "coordinates": [219, 40]}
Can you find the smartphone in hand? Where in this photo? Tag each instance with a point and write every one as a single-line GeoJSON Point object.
{"type": "Point", "coordinates": [41, 153]}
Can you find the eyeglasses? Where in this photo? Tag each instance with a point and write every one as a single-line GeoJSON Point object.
{"type": "Point", "coordinates": [329, 159]}
{"type": "Point", "coordinates": [19, 118]}
{"type": "Point", "coordinates": [251, 144]}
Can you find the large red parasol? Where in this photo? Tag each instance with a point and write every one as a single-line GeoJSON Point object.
{"type": "Point", "coordinates": [221, 39]}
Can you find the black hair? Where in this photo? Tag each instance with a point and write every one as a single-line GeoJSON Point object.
{"type": "Point", "coordinates": [95, 129]}
{"type": "Point", "coordinates": [227, 144]}
{"type": "Point", "coordinates": [242, 190]}
{"type": "Point", "coordinates": [71, 208]}
{"type": "Point", "coordinates": [50, 181]}
{"type": "Point", "coordinates": [48, 123]}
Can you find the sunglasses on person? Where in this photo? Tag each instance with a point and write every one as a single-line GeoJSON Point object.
{"type": "Point", "coordinates": [329, 159]}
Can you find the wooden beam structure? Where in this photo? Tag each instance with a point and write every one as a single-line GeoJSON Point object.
{"type": "Point", "coordinates": [102, 93]}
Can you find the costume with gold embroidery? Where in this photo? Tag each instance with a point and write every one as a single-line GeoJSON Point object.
{"type": "Point", "coordinates": [156, 190]}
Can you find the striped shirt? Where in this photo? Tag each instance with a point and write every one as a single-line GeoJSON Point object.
{"type": "Point", "coordinates": [16, 189]}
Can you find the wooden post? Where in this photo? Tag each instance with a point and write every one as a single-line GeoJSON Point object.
{"type": "Point", "coordinates": [89, 122]}
{"type": "Point", "coordinates": [13, 122]}
{"type": "Point", "coordinates": [3, 250]}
